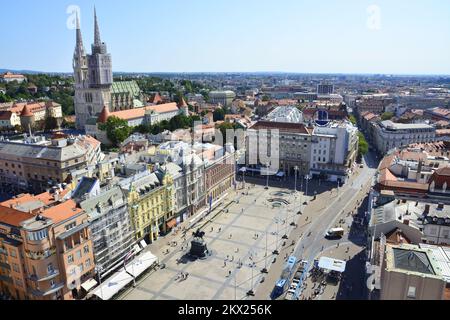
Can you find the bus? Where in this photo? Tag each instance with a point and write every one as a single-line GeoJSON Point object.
{"type": "Point", "coordinates": [280, 288]}
{"type": "Point", "coordinates": [283, 282]}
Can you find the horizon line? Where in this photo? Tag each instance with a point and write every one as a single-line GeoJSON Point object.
{"type": "Point", "coordinates": [242, 72]}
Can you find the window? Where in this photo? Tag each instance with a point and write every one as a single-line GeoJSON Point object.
{"type": "Point", "coordinates": [81, 267]}
{"type": "Point", "coordinates": [70, 226]}
{"type": "Point", "coordinates": [50, 269]}
{"type": "Point", "coordinates": [15, 267]}
{"type": "Point", "coordinates": [88, 263]}
{"type": "Point", "coordinates": [70, 258]}
{"type": "Point", "coordinates": [86, 249]}
{"type": "Point", "coordinates": [78, 254]}
{"type": "Point", "coordinates": [38, 235]}
{"type": "Point", "coordinates": [12, 253]}
{"type": "Point", "coordinates": [412, 292]}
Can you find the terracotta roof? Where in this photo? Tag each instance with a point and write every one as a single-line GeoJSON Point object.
{"type": "Point", "coordinates": [45, 199]}
{"type": "Point", "coordinates": [26, 112]}
{"type": "Point", "coordinates": [9, 75]}
{"type": "Point", "coordinates": [156, 99]}
{"type": "Point", "coordinates": [129, 114]}
{"type": "Point", "coordinates": [163, 108]}
{"type": "Point", "coordinates": [140, 112]}
{"type": "Point", "coordinates": [412, 156]}
{"type": "Point", "coordinates": [282, 126]}
{"type": "Point", "coordinates": [5, 115]}
{"type": "Point", "coordinates": [62, 211]}
{"type": "Point", "coordinates": [33, 106]}
{"type": "Point", "coordinates": [104, 115]}
{"type": "Point", "coordinates": [13, 217]}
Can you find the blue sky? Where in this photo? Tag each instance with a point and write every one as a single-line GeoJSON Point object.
{"type": "Point", "coordinates": [234, 35]}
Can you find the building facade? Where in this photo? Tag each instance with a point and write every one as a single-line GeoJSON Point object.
{"type": "Point", "coordinates": [150, 203]}
{"type": "Point", "coordinates": [225, 98]}
{"type": "Point", "coordinates": [112, 231]}
{"type": "Point", "coordinates": [288, 144]}
{"type": "Point", "coordinates": [35, 164]}
{"type": "Point", "coordinates": [48, 254]}
{"type": "Point", "coordinates": [390, 135]}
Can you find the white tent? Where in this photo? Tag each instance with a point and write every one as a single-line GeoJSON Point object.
{"type": "Point", "coordinates": [332, 264]}
{"type": "Point", "coordinates": [121, 279]}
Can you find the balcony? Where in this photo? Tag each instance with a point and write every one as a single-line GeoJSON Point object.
{"type": "Point", "coordinates": [6, 278]}
{"type": "Point", "coordinates": [5, 266]}
{"type": "Point", "coordinates": [53, 289]}
{"type": "Point", "coordinates": [54, 273]}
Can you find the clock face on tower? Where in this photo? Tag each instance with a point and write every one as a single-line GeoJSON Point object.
{"type": "Point", "coordinates": [321, 118]}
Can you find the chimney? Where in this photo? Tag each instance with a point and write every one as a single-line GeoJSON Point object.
{"type": "Point", "coordinates": [440, 206]}
{"type": "Point", "coordinates": [406, 222]}
{"type": "Point", "coordinates": [427, 209]}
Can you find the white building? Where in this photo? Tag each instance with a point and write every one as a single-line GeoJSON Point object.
{"type": "Point", "coordinates": [225, 98]}
{"type": "Point", "coordinates": [390, 135]}
{"type": "Point", "coordinates": [334, 150]}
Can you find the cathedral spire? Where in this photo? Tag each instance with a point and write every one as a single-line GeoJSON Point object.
{"type": "Point", "coordinates": [79, 49]}
{"type": "Point", "coordinates": [97, 40]}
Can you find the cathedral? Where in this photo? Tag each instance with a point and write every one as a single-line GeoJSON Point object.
{"type": "Point", "coordinates": [94, 85]}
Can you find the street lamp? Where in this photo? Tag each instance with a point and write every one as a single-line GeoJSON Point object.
{"type": "Point", "coordinates": [275, 252]}
{"type": "Point", "coordinates": [285, 236]}
{"type": "Point", "coordinates": [264, 270]}
{"type": "Point", "coordinates": [251, 292]}
{"type": "Point", "coordinates": [267, 174]}
{"type": "Point", "coordinates": [296, 171]}
{"type": "Point", "coordinates": [307, 177]}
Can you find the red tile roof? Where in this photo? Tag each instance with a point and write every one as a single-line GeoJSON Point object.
{"type": "Point", "coordinates": [13, 217]}
{"type": "Point", "coordinates": [103, 117]}
{"type": "Point", "coordinates": [62, 211]}
{"type": "Point", "coordinates": [282, 126]}
{"type": "Point", "coordinates": [26, 111]}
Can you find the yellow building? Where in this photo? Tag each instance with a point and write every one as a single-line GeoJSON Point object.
{"type": "Point", "coordinates": [151, 201]}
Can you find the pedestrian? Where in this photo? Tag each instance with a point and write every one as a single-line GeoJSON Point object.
{"type": "Point", "coordinates": [231, 236]}
{"type": "Point", "coordinates": [224, 263]}
{"type": "Point", "coordinates": [229, 273]}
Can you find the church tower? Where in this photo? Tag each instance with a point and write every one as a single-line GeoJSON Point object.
{"type": "Point", "coordinates": [93, 77]}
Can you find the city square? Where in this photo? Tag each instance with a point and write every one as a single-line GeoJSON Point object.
{"type": "Point", "coordinates": [236, 235]}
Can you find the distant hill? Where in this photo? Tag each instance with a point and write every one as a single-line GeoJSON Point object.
{"type": "Point", "coordinates": [32, 72]}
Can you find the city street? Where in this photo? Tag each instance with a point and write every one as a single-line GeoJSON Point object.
{"type": "Point", "coordinates": [331, 209]}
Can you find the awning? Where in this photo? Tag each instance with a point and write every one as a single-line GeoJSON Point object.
{"type": "Point", "coordinates": [137, 249]}
{"type": "Point", "coordinates": [172, 223]}
{"type": "Point", "coordinates": [121, 279]}
{"type": "Point", "coordinates": [143, 244]}
{"type": "Point", "coordinates": [332, 264]}
{"type": "Point", "coordinates": [88, 285]}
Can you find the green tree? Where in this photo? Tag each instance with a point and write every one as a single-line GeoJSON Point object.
{"type": "Point", "coordinates": [219, 114]}
{"type": "Point", "coordinates": [117, 130]}
{"type": "Point", "coordinates": [4, 98]}
{"type": "Point", "coordinates": [50, 123]}
{"type": "Point", "coordinates": [387, 116]}
{"type": "Point", "coordinates": [363, 147]}
{"type": "Point", "coordinates": [352, 119]}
